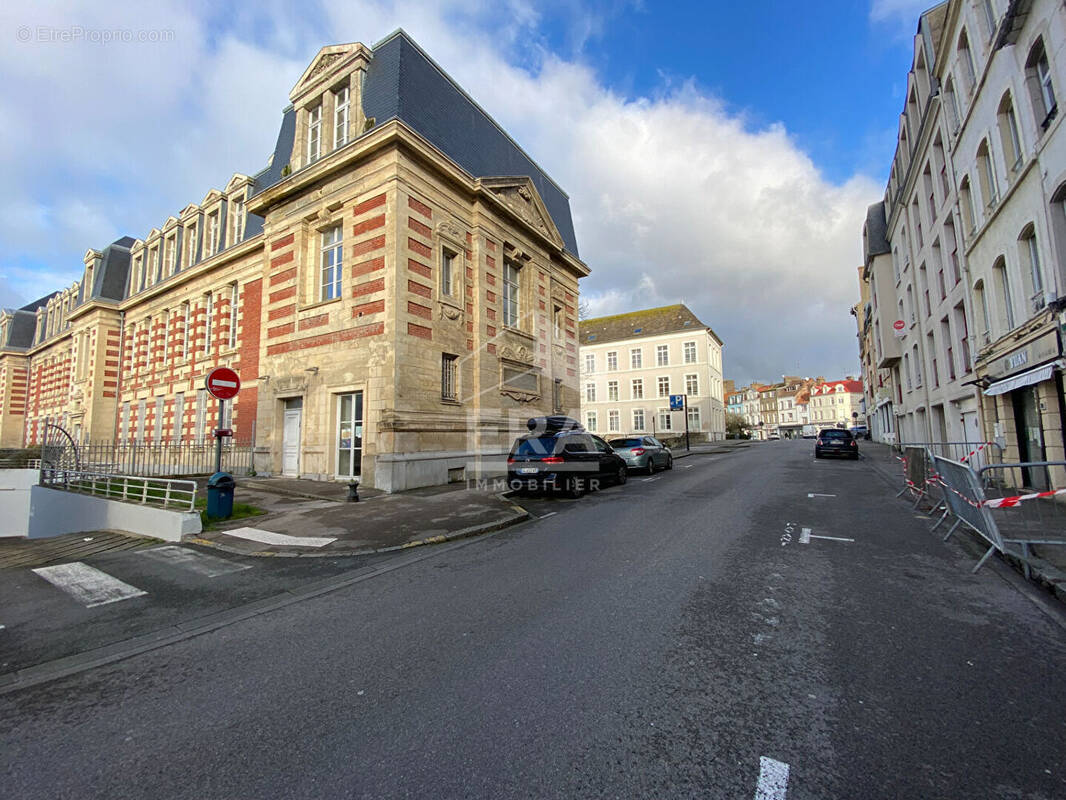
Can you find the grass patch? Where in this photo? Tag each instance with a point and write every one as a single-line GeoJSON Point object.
{"type": "Point", "coordinates": [240, 511]}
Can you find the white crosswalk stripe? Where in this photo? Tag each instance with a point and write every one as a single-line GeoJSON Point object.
{"type": "Point", "coordinates": [269, 537]}
{"type": "Point", "coordinates": [201, 563]}
{"type": "Point", "coordinates": [88, 585]}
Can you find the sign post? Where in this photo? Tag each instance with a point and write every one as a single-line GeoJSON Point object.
{"type": "Point", "coordinates": [222, 383]}
{"type": "Point", "coordinates": [679, 402]}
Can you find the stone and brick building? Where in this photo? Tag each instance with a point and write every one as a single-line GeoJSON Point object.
{"type": "Point", "coordinates": [398, 290]}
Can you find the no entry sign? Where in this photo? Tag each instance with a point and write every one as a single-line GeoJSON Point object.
{"type": "Point", "coordinates": [223, 383]}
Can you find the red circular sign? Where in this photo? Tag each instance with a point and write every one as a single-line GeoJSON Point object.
{"type": "Point", "coordinates": [899, 324]}
{"type": "Point", "coordinates": [223, 383]}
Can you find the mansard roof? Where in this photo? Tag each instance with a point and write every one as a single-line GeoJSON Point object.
{"type": "Point", "coordinates": [403, 82]}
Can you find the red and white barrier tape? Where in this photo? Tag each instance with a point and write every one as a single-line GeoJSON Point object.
{"type": "Point", "coordinates": [1011, 502]}
{"type": "Point", "coordinates": [974, 452]}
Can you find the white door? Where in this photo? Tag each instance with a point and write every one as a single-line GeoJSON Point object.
{"type": "Point", "coordinates": [290, 441]}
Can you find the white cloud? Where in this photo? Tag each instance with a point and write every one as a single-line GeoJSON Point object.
{"type": "Point", "coordinates": [904, 12]}
{"type": "Point", "coordinates": [674, 198]}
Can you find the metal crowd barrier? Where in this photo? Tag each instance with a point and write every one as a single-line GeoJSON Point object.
{"type": "Point", "coordinates": [920, 474]}
{"type": "Point", "coordinates": [991, 518]}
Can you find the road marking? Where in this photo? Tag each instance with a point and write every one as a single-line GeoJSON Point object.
{"type": "Point", "coordinates": [773, 779]}
{"type": "Point", "coordinates": [269, 537]}
{"type": "Point", "coordinates": [88, 585]}
{"type": "Point", "coordinates": [688, 466]}
{"type": "Point", "coordinates": [549, 514]}
{"type": "Point", "coordinates": [816, 494]}
{"type": "Point", "coordinates": [806, 536]}
{"type": "Point", "coordinates": [649, 480]}
{"type": "Point", "coordinates": [201, 563]}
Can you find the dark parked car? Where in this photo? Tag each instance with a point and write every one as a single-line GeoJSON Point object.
{"type": "Point", "coordinates": [644, 452]}
{"type": "Point", "coordinates": [836, 442]}
{"type": "Point", "coordinates": [562, 456]}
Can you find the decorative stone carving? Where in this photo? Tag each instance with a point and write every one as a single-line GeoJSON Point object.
{"type": "Point", "coordinates": [520, 200]}
{"type": "Point", "coordinates": [518, 353]}
{"type": "Point", "coordinates": [448, 311]}
{"type": "Point", "coordinates": [324, 63]}
{"type": "Point", "coordinates": [449, 229]}
{"type": "Point", "coordinates": [521, 397]}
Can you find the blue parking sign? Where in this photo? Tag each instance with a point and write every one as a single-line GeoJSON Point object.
{"type": "Point", "coordinates": [677, 402]}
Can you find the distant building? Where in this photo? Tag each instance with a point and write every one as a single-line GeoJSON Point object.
{"type": "Point", "coordinates": [632, 363]}
{"type": "Point", "coordinates": [837, 404]}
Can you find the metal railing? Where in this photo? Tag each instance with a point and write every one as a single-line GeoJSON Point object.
{"type": "Point", "coordinates": [915, 460]}
{"type": "Point", "coordinates": [148, 458]}
{"type": "Point", "coordinates": [166, 493]}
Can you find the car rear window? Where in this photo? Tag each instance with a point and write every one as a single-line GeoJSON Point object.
{"type": "Point", "coordinates": [535, 446]}
{"type": "Point", "coordinates": [625, 443]}
{"type": "Point", "coordinates": [835, 435]}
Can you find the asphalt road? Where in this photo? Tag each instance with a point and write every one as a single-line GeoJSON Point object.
{"type": "Point", "coordinates": [652, 640]}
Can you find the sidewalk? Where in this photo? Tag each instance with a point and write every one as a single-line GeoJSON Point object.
{"type": "Point", "coordinates": [1048, 562]}
{"type": "Point", "coordinates": [314, 518]}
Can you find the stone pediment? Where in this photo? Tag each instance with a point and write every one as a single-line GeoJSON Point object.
{"type": "Point", "coordinates": [521, 196]}
{"type": "Point", "coordinates": [327, 65]}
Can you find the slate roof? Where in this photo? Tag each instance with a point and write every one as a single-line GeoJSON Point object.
{"type": "Point", "coordinates": [876, 240]}
{"type": "Point", "coordinates": [403, 82]}
{"type": "Point", "coordinates": [639, 324]}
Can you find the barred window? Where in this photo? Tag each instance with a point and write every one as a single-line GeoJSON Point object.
{"type": "Point", "coordinates": [449, 383]}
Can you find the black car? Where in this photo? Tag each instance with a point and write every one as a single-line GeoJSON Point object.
{"type": "Point", "coordinates": [559, 455]}
{"type": "Point", "coordinates": [836, 442]}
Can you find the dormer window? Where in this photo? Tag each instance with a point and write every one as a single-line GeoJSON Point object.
{"type": "Point", "coordinates": [236, 210]}
{"type": "Point", "coordinates": [169, 248]}
{"type": "Point", "coordinates": [314, 134]}
{"type": "Point", "coordinates": [153, 264]}
{"type": "Point", "coordinates": [139, 272]}
{"type": "Point", "coordinates": [190, 245]}
{"type": "Point", "coordinates": [211, 245]}
{"type": "Point", "coordinates": [340, 119]}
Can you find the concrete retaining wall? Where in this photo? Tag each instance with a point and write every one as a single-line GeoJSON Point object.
{"type": "Point", "coordinates": [15, 485]}
{"type": "Point", "coordinates": [39, 512]}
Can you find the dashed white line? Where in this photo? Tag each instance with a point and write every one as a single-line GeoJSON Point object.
{"type": "Point", "coordinates": [816, 494]}
{"type": "Point", "coordinates": [806, 536]}
{"type": "Point", "coordinates": [688, 466]}
{"type": "Point", "coordinates": [201, 563]}
{"type": "Point", "coordinates": [648, 480]}
{"type": "Point", "coordinates": [549, 514]}
{"type": "Point", "coordinates": [88, 585]}
{"type": "Point", "coordinates": [773, 779]}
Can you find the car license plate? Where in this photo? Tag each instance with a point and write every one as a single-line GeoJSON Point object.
{"type": "Point", "coordinates": [527, 471]}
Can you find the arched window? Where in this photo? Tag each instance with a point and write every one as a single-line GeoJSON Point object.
{"type": "Point", "coordinates": [981, 302]}
{"type": "Point", "coordinates": [1005, 298]}
{"type": "Point", "coordinates": [966, 64]}
{"type": "Point", "coordinates": [986, 173]}
{"type": "Point", "coordinates": [1009, 135]}
{"type": "Point", "coordinates": [1029, 257]}
{"type": "Point", "coordinates": [954, 115]}
{"type": "Point", "coordinates": [1038, 82]}
{"type": "Point", "coordinates": [969, 216]}
{"type": "Point", "coordinates": [990, 19]}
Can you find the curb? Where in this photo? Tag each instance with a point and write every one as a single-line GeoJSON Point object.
{"type": "Point", "coordinates": [475, 530]}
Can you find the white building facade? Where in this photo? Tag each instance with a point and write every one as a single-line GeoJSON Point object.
{"type": "Point", "coordinates": [632, 363]}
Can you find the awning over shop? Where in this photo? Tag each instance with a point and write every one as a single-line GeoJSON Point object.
{"type": "Point", "coordinates": [1037, 375]}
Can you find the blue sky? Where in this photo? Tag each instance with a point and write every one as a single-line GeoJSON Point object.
{"type": "Point", "coordinates": [720, 154]}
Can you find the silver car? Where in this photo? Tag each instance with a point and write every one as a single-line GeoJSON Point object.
{"type": "Point", "coordinates": [644, 453]}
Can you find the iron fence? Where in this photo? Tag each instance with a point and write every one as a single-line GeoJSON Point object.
{"type": "Point", "coordinates": [147, 458]}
